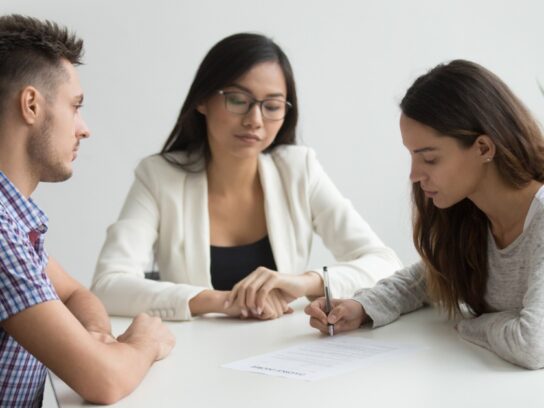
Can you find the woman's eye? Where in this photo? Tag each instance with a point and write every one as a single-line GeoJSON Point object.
{"type": "Point", "coordinates": [237, 100]}
{"type": "Point", "coordinates": [273, 106]}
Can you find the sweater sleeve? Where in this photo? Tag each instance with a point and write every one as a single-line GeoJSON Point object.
{"type": "Point", "coordinates": [515, 335]}
{"type": "Point", "coordinates": [119, 279]}
{"type": "Point", "coordinates": [362, 258]}
{"type": "Point", "coordinates": [400, 293]}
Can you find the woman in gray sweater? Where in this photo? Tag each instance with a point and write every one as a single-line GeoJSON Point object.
{"type": "Point", "coordinates": [477, 173]}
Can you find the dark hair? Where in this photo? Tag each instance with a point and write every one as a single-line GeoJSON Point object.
{"type": "Point", "coordinates": [463, 100]}
{"type": "Point", "coordinates": [31, 53]}
{"type": "Point", "coordinates": [228, 60]}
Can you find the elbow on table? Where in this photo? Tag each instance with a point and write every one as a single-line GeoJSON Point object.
{"type": "Point", "coordinates": [106, 389]}
{"type": "Point", "coordinates": [532, 363]}
{"type": "Point", "coordinates": [533, 353]}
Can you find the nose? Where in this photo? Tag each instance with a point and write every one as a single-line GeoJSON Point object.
{"type": "Point", "coordinates": [254, 117]}
{"type": "Point", "coordinates": [416, 174]}
{"type": "Point", "coordinates": [82, 130]}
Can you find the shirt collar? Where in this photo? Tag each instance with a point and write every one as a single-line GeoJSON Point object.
{"type": "Point", "coordinates": [26, 211]}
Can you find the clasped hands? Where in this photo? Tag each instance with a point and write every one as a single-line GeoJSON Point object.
{"type": "Point", "coordinates": [265, 294]}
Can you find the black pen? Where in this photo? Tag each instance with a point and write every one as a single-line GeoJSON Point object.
{"type": "Point", "coordinates": [328, 306]}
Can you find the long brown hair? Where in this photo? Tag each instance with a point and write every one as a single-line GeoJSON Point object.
{"type": "Point", "coordinates": [463, 100]}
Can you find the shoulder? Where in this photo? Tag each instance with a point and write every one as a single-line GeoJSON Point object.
{"type": "Point", "coordinates": [294, 160]}
{"type": "Point", "coordinates": [291, 152]}
{"type": "Point", "coordinates": [164, 168]}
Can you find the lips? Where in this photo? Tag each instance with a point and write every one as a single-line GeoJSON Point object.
{"type": "Point", "coordinates": [74, 152]}
{"type": "Point", "coordinates": [430, 193]}
{"type": "Point", "coordinates": [248, 137]}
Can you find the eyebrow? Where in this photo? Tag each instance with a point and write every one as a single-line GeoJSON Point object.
{"type": "Point", "coordinates": [247, 90]}
{"type": "Point", "coordinates": [425, 149]}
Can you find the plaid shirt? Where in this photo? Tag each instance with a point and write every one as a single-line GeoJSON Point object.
{"type": "Point", "coordinates": [23, 283]}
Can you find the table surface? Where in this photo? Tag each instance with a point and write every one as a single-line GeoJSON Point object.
{"type": "Point", "coordinates": [445, 372]}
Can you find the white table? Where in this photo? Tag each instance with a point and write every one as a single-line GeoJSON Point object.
{"type": "Point", "coordinates": [446, 372]}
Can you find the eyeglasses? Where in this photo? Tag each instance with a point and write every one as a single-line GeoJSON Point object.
{"type": "Point", "coordinates": [240, 103]}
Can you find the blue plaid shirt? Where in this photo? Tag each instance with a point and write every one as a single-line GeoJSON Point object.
{"type": "Point", "coordinates": [23, 283]}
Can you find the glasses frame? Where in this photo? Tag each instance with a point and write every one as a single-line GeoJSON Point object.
{"type": "Point", "coordinates": [254, 101]}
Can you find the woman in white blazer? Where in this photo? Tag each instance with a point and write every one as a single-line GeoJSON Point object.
{"type": "Point", "coordinates": [230, 205]}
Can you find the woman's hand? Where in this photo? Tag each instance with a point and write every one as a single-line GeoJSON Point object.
{"type": "Point", "coordinates": [214, 301]}
{"type": "Point", "coordinates": [346, 314]}
{"type": "Point", "coordinates": [250, 293]}
{"type": "Point", "coordinates": [275, 306]}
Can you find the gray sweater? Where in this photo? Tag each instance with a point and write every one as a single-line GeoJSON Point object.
{"type": "Point", "coordinates": [513, 327]}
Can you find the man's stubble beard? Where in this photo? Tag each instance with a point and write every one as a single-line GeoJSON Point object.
{"type": "Point", "coordinates": [44, 157]}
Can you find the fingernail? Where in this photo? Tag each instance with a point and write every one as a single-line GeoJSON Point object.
{"type": "Point", "coordinates": [244, 312]}
{"type": "Point", "coordinates": [259, 311]}
{"type": "Point", "coordinates": [226, 304]}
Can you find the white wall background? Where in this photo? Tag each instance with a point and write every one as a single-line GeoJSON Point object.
{"type": "Point", "coordinates": [353, 60]}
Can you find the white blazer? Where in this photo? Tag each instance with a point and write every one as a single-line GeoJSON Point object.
{"type": "Point", "coordinates": [166, 214]}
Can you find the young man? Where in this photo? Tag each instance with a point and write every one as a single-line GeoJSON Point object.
{"type": "Point", "coordinates": [47, 319]}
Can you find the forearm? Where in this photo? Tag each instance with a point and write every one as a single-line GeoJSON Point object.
{"type": "Point", "coordinates": [208, 301]}
{"type": "Point", "coordinates": [88, 309]}
{"type": "Point", "coordinates": [515, 337]}
{"type": "Point", "coordinates": [401, 293]}
{"type": "Point", "coordinates": [113, 372]}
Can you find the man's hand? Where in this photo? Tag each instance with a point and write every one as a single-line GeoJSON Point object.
{"type": "Point", "coordinates": [145, 329]}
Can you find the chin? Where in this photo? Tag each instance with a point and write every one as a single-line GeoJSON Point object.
{"type": "Point", "coordinates": [443, 204]}
{"type": "Point", "coordinates": [57, 175]}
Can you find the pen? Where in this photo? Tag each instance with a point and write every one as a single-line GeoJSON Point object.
{"type": "Point", "coordinates": [327, 299]}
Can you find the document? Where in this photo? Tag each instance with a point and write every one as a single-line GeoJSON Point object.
{"type": "Point", "coordinates": [319, 359]}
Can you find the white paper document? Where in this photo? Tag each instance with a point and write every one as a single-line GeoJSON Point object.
{"type": "Point", "coordinates": [319, 359]}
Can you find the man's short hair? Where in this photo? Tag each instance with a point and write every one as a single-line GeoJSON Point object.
{"type": "Point", "coordinates": [31, 53]}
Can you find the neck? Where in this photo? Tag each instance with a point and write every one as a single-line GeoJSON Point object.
{"type": "Point", "coordinates": [506, 207]}
{"type": "Point", "coordinates": [228, 175]}
{"type": "Point", "coordinates": [14, 162]}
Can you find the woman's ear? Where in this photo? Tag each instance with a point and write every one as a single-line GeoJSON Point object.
{"type": "Point", "coordinates": [201, 107]}
{"type": "Point", "coordinates": [486, 148]}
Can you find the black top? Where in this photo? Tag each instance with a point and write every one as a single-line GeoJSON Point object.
{"type": "Point", "coordinates": [229, 265]}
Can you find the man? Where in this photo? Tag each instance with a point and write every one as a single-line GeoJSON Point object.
{"type": "Point", "coordinates": [47, 319]}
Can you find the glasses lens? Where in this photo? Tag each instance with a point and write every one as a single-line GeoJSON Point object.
{"type": "Point", "coordinates": [237, 102]}
{"type": "Point", "coordinates": [274, 109]}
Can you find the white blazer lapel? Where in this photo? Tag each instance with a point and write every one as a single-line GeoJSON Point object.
{"type": "Point", "coordinates": [278, 217]}
{"type": "Point", "coordinates": [196, 222]}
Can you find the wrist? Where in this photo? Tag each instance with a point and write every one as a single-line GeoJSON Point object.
{"type": "Point", "coordinates": [208, 301]}
{"type": "Point", "coordinates": [313, 284]}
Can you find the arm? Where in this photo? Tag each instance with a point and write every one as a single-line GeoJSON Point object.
{"type": "Point", "coordinates": [99, 372]}
{"type": "Point", "coordinates": [119, 279]}
{"type": "Point", "coordinates": [80, 301]}
{"type": "Point", "coordinates": [362, 257]}
{"type": "Point", "coordinates": [400, 293]}
{"type": "Point", "coordinates": [514, 335]}
{"type": "Point", "coordinates": [36, 318]}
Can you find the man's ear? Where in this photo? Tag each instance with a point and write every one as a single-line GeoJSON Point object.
{"type": "Point", "coordinates": [30, 104]}
{"type": "Point", "coordinates": [486, 148]}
